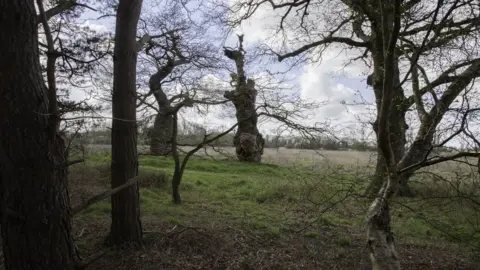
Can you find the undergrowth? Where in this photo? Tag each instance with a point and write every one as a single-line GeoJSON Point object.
{"type": "Point", "coordinates": [278, 202]}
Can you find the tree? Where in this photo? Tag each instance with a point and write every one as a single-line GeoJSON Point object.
{"type": "Point", "coordinates": [126, 225]}
{"type": "Point", "coordinates": [36, 219]}
{"type": "Point", "coordinates": [388, 33]}
{"type": "Point", "coordinates": [175, 52]}
{"type": "Point", "coordinates": [248, 140]}
{"type": "Point", "coordinates": [355, 25]}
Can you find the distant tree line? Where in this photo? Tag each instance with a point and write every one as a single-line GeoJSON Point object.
{"type": "Point", "coordinates": [193, 136]}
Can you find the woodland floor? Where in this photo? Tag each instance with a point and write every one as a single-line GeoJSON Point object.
{"type": "Point", "coordinates": [243, 216]}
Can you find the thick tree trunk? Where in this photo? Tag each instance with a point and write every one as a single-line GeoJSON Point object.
{"type": "Point", "coordinates": [397, 128]}
{"type": "Point", "coordinates": [36, 219]}
{"type": "Point", "coordinates": [160, 135]}
{"type": "Point", "coordinates": [388, 95]}
{"type": "Point", "coordinates": [248, 141]}
{"type": "Point", "coordinates": [398, 140]}
{"type": "Point", "coordinates": [126, 225]}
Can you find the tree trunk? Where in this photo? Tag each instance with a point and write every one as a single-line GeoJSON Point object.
{"type": "Point", "coordinates": [248, 141]}
{"type": "Point", "coordinates": [398, 139]}
{"type": "Point", "coordinates": [36, 219]}
{"type": "Point", "coordinates": [126, 225]}
{"type": "Point", "coordinates": [397, 128]}
{"type": "Point", "coordinates": [380, 241]}
{"type": "Point", "coordinates": [177, 177]}
{"type": "Point", "coordinates": [179, 167]}
{"type": "Point", "coordinates": [160, 135]}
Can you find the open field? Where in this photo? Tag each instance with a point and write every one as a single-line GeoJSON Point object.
{"type": "Point", "coordinates": [282, 156]}
{"type": "Point", "coordinates": [282, 215]}
{"type": "Point", "coordinates": [361, 162]}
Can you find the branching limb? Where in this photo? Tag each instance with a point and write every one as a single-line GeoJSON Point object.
{"type": "Point", "coordinates": [325, 41]}
{"type": "Point", "coordinates": [52, 88]}
{"type": "Point", "coordinates": [62, 6]}
{"type": "Point", "coordinates": [416, 94]}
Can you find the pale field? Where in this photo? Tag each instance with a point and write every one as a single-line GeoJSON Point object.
{"type": "Point", "coordinates": [303, 157]}
{"type": "Point", "coordinates": [360, 162]}
{"type": "Point", "coordinates": [282, 156]}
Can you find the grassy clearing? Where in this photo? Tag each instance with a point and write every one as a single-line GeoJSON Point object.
{"type": "Point", "coordinates": [323, 207]}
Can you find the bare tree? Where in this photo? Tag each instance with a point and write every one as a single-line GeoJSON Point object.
{"type": "Point", "coordinates": [353, 26]}
{"type": "Point", "coordinates": [388, 33]}
{"type": "Point", "coordinates": [248, 140]}
{"type": "Point", "coordinates": [175, 52]}
{"type": "Point", "coordinates": [126, 225]}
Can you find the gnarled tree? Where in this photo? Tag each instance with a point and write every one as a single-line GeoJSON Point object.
{"type": "Point", "coordinates": [161, 132]}
{"type": "Point", "coordinates": [356, 25]}
{"type": "Point", "coordinates": [389, 32]}
{"type": "Point", "coordinates": [176, 51]}
{"type": "Point", "coordinates": [248, 141]}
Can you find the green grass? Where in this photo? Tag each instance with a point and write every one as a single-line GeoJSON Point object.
{"type": "Point", "coordinates": [272, 200]}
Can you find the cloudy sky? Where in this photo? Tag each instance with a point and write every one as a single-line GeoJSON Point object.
{"type": "Point", "coordinates": [327, 80]}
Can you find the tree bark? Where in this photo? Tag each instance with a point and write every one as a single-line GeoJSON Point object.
{"type": "Point", "coordinates": [380, 241]}
{"type": "Point", "coordinates": [161, 133]}
{"type": "Point", "coordinates": [126, 225]}
{"type": "Point", "coordinates": [386, 27]}
{"type": "Point", "coordinates": [36, 218]}
{"type": "Point", "coordinates": [177, 178]}
{"type": "Point", "coordinates": [248, 141]}
{"type": "Point", "coordinates": [397, 127]}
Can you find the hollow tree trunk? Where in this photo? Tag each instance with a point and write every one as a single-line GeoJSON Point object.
{"type": "Point", "coordinates": [248, 141]}
{"type": "Point", "coordinates": [36, 219]}
{"type": "Point", "coordinates": [126, 225]}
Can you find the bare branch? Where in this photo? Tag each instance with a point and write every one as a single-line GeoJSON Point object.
{"type": "Point", "coordinates": [102, 196]}
{"type": "Point", "coordinates": [324, 41]}
{"type": "Point", "coordinates": [62, 6]}
{"type": "Point", "coordinates": [52, 88]}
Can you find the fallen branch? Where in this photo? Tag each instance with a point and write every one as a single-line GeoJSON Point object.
{"type": "Point", "coordinates": [73, 162]}
{"type": "Point", "coordinates": [102, 196]}
{"type": "Point", "coordinates": [91, 259]}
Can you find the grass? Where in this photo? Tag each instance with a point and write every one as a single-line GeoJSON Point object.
{"type": "Point", "coordinates": [322, 207]}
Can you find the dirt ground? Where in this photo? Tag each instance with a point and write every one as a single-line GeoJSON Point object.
{"type": "Point", "coordinates": [180, 247]}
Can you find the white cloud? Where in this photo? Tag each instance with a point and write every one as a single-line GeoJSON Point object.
{"type": "Point", "coordinates": [319, 81]}
{"type": "Point", "coordinates": [97, 27]}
